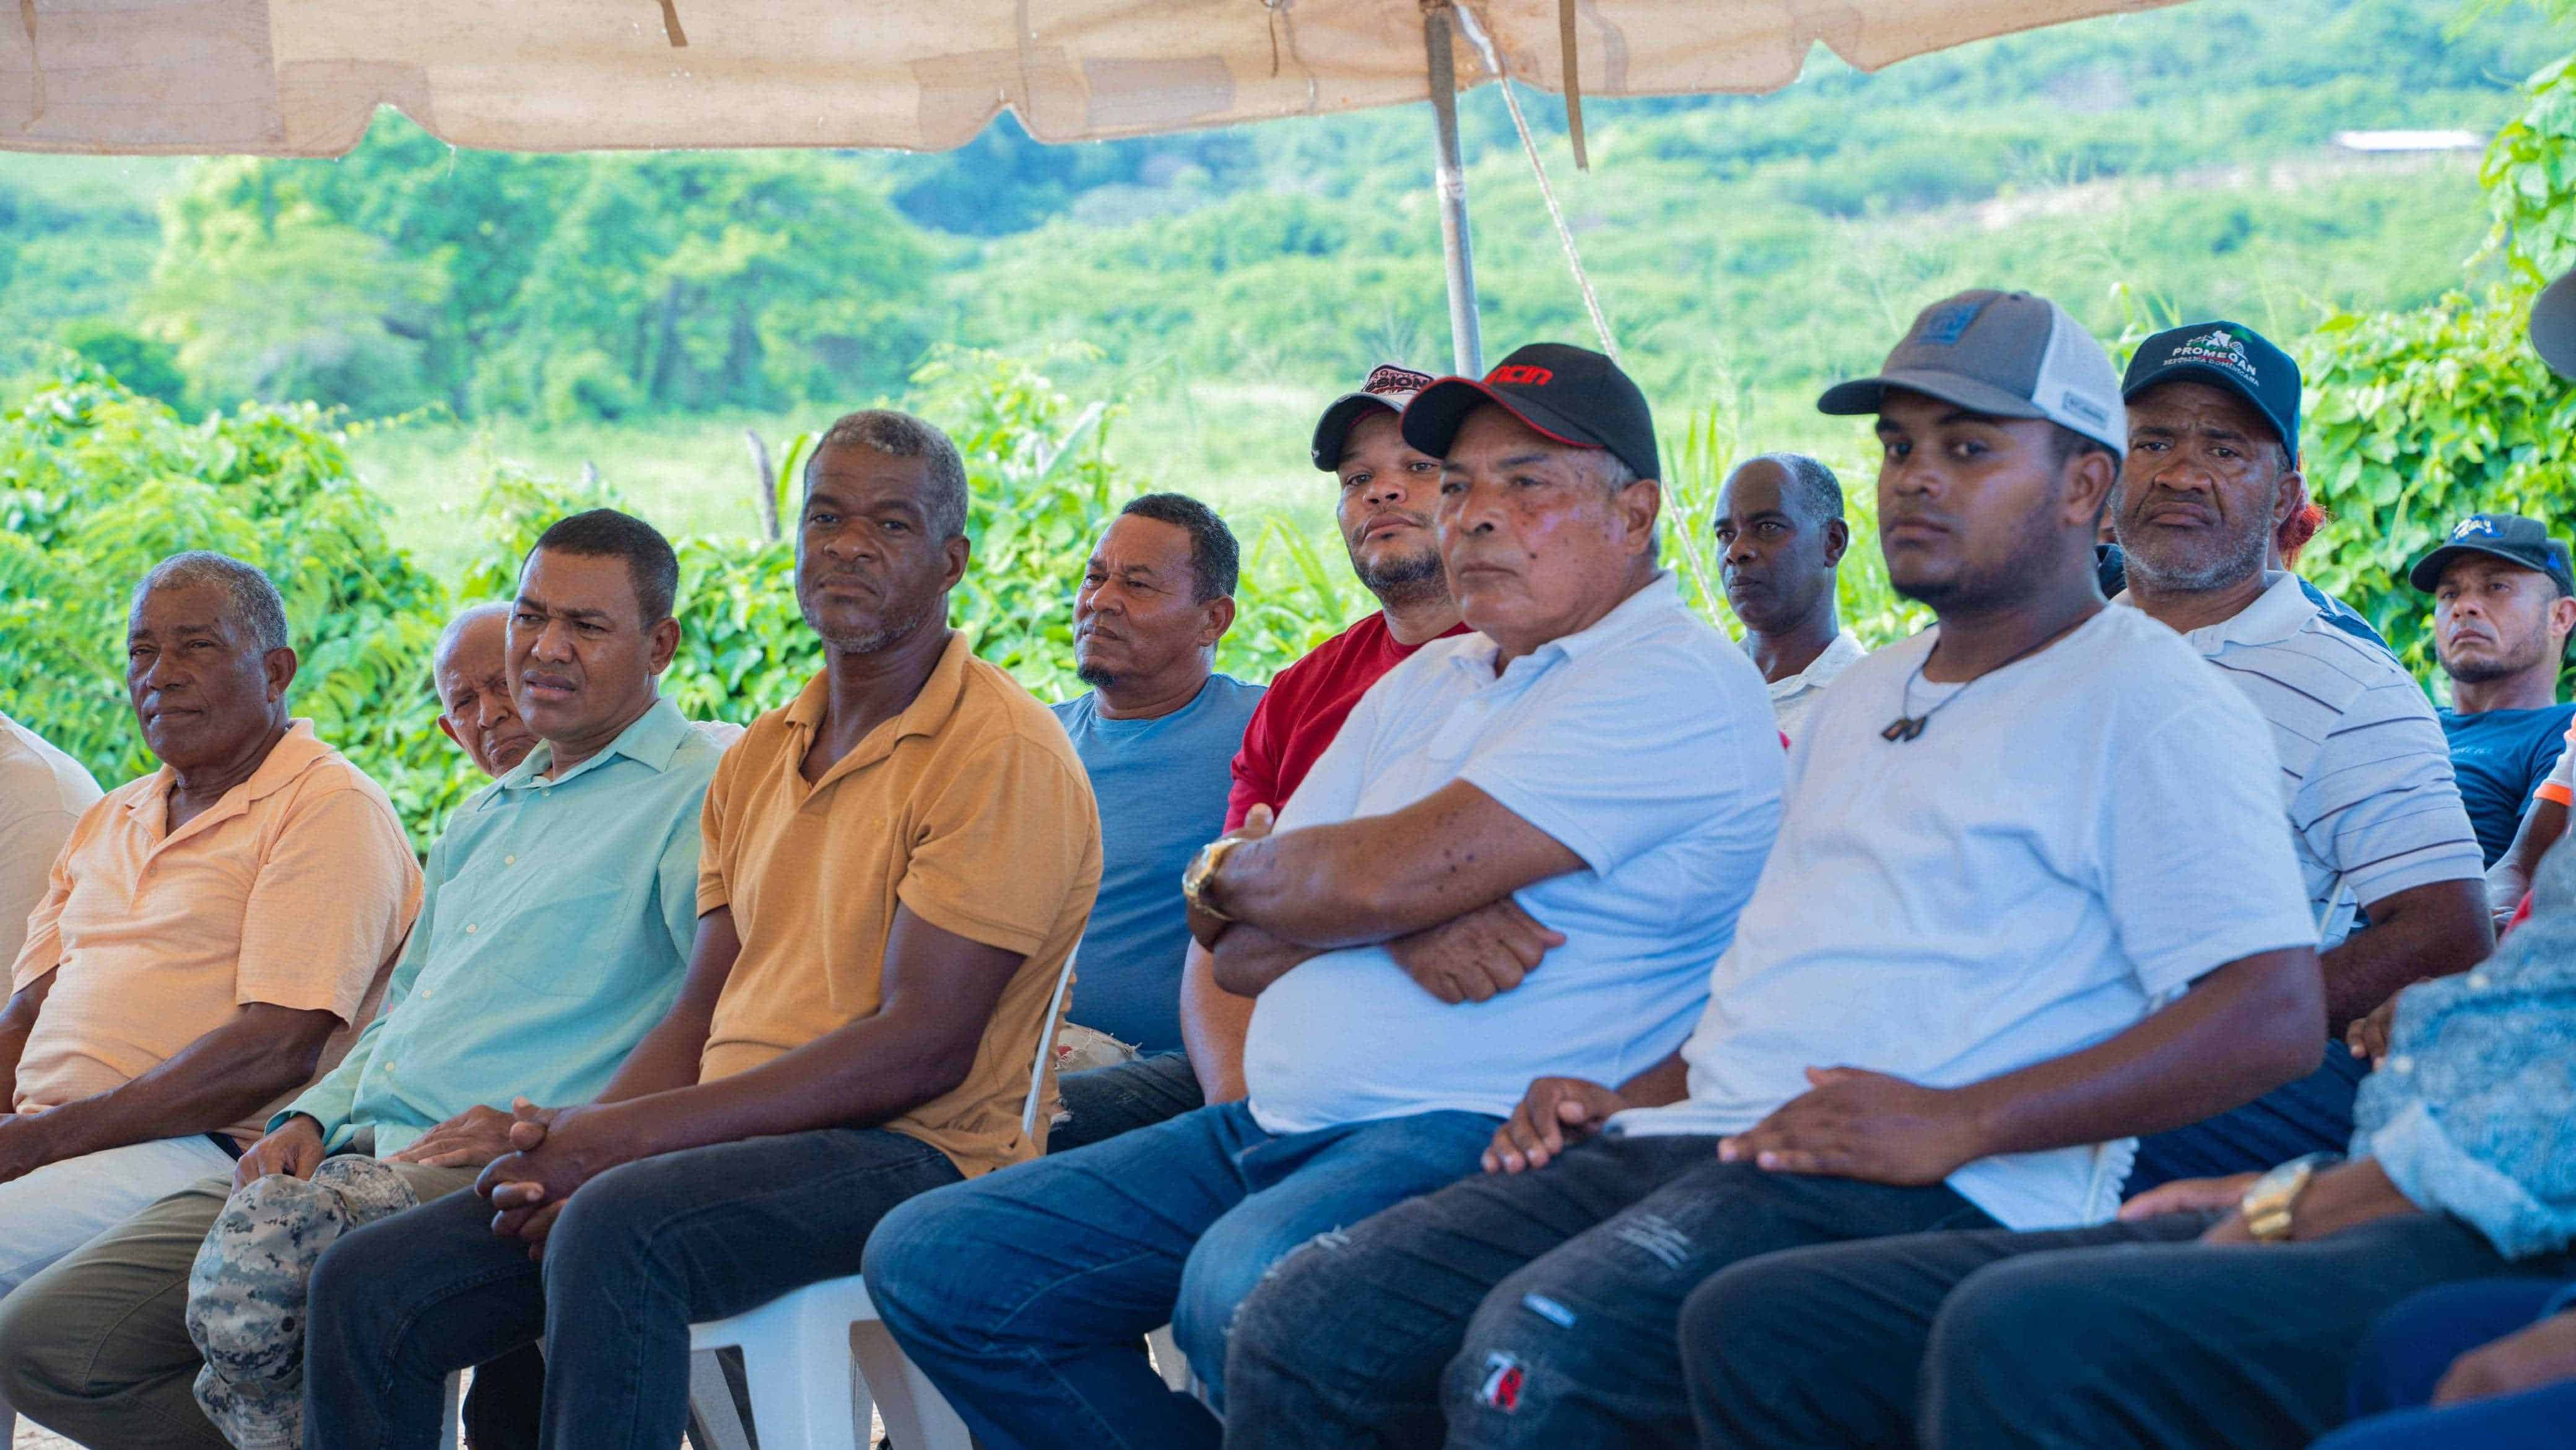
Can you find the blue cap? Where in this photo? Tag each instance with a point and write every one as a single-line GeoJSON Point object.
{"type": "Point", "coordinates": [2229, 355]}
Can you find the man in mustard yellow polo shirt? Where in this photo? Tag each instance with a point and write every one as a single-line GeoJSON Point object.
{"type": "Point", "coordinates": [896, 866]}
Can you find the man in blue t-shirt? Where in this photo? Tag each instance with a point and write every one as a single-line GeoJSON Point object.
{"type": "Point", "coordinates": [1157, 734]}
{"type": "Point", "coordinates": [2504, 602]}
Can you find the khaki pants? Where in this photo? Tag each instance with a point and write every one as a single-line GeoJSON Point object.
{"type": "Point", "coordinates": [96, 1347]}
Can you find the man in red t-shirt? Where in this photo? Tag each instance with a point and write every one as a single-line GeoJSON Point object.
{"type": "Point", "coordinates": [1388, 492]}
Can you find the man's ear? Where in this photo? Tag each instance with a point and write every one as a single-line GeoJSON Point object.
{"type": "Point", "coordinates": [2093, 477]}
{"type": "Point", "coordinates": [2562, 620]}
{"type": "Point", "coordinates": [1640, 504]}
{"type": "Point", "coordinates": [2294, 497]}
{"type": "Point", "coordinates": [448, 730]}
{"type": "Point", "coordinates": [1217, 619]}
{"type": "Point", "coordinates": [666, 643]}
{"type": "Point", "coordinates": [1837, 541]}
{"type": "Point", "coordinates": [278, 666]}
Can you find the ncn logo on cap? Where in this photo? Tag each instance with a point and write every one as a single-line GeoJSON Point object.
{"type": "Point", "coordinates": [1521, 375]}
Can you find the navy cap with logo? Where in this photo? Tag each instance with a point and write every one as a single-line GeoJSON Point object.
{"type": "Point", "coordinates": [2005, 355]}
{"type": "Point", "coordinates": [2229, 355]}
{"type": "Point", "coordinates": [2553, 326]}
{"type": "Point", "coordinates": [1390, 386]}
{"type": "Point", "coordinates": [2510, 537]}
{"type": "Point", "coordinates": [1571, 394]}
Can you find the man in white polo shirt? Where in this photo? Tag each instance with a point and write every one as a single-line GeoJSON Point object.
{"type": "Point", "coordinates": [2004, 841]}
{"type": "Point", "coordinates": [2366, 777]}
{"type": "Point", "coordinates": [1516, 858]}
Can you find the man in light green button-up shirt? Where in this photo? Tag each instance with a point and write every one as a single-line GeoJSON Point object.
{"type": "Point", "coordinates": [560, 913]}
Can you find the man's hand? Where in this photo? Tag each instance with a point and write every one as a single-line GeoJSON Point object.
{"type": "Point", "coordinates": [1864, 1125]}
{"type": "Point", "coordinates": [1207, 926]}
{"type": "Point", "coordinates": [295, 1150]}
{"type": "Point", "coordinates": [520, 1213]}
{"type": "Point", "coordinates": [2543, 1354]}
{"type": "Point", "coordinates": [2190, 1195]}
{"type": "Point", "coordinates": [2345, 1196]}
{"type": "Point", "coordinates": [2368, 1036]}
{"type": "Point", "coordinates": [471, 1139]}
{"type": "Point", "coordinates": [1477, 956]}
{"type": "Point", "coordinates": [24, 1146]}
{"type": "Point", "coordinates": [557, 1150]}
{"type": "Point", "coordinates": [1554, 1112]}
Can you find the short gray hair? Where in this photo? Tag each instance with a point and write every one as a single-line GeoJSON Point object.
{"type": "Point", "coordinates": [901, 435]}
{"type": "Point", "coordinates": [252, 598]}
{"type": "Point", "coordinates": [455, 631]}
{"type": "Point", "coordinates": [1820, 494]}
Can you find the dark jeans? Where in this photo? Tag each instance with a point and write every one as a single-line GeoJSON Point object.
{"type": "Point", "coordinates": [2125, 1335]}
{"type": "Point", "coordinates": [1108, 1101]}
{"type": "Point", "coordinates": [1533, 1308]}
{"type": "Point", "coordinates": [2413, 1346]}
{"type": "Point", "coordinates": [2312, 1115]}
{"type": "Point", "coordinates": [640, 1253]}
{"type": "Point", "coordinates": [1022, 1293]}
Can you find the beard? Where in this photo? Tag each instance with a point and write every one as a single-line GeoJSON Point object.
{"type": "Point", "coordinates": [2241, 557]}
{"type": "Point", "coordinates": [2480, 671]}
{"type": "Point", "coordinates": [889, 630]}
{"type": "Point", "coordinates": [1406, 580]}
{"type": "Point", "coordinates": [1094, 676]}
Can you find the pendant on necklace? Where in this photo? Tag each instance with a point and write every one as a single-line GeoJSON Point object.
{"type": "Point", "coordinates": [1906, 728]}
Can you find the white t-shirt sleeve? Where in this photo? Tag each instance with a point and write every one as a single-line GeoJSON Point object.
{"type": "Point", "coordinates": [2197, 861]}
{"type": "Point", "coordinates": [2380, 804]}
{"type": "Point", "coordinates": [1641, 745]}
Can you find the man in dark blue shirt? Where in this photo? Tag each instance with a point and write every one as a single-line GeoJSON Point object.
{"type": "Point", "coordinates": [2504, 602]}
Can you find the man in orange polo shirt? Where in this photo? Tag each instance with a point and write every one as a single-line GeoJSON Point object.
{"type": "Point", "coordinates": [896, 867]}
{"type": "Point", "coordinates": [212, 935]}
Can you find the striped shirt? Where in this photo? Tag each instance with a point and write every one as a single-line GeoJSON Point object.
{"type": "Point", "coordinates": [2365, 771]}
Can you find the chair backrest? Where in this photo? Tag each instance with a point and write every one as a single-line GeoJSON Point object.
{"type": "Point", "coordinates": [1046, 1048]}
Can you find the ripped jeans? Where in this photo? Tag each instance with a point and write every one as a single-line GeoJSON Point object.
{"type": "Point", "coordinates": [1022, 1293]}
{"type": "Point", "coordinates": [1532, 1309]}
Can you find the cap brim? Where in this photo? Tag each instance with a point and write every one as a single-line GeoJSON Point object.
{"type": "Point", "coordinates": [1432, 419]}
{"type": "Point", "coordinates": [1333, 430]}
{"type": "Point", "coordinates": [2426, 576]}
{"type": "Point", "coordinates": [1869, 395]}
{"type": "Point", "coordinates": [2553, 326]}
{"type": "Point", "coordinates": [2216, 377]}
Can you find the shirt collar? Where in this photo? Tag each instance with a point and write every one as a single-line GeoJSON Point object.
{"type": "Point", "coordinates": [2280, 611]}
{"type": "Point", "coordinates": [1661, 595]}
{"type": "Point", "coordinates": [650, 740]}
{"type": "Point", "coordinates": [294, 752]}
{"type": "Point", "coordinates": [1829, 662]}
{"type": "Point", "coordinates": [926, 715]}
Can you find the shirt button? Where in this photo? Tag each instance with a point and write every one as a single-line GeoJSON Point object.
{"type": "Point", "coordinates": [389, 1069]}
{"type": "Point", "coordinates": [428, 992]}
{"type": "Point", "coordinates": [2401, 1064]}
{"type": "Point", "coordinates": [509, 860]}
{"type": "Point", "coordinates": [469, 928]}
{"type": "Point", "coordinates": [2480, 981]}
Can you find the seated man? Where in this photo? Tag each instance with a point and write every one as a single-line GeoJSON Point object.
{"type": "Point", "coordinates": [212, 935]}
{"type": "Point", "coordinates": [894, 869]}
{"type": "Point", "coordinates": [1484, 791]}
{"type": "Point", "coordinates": [2193, 1322]}
{"type": "Point", "coordinates": [470, 670]}
{"type": "Point", "coordinates": [1780, 523]}
{"type": "Point", "coordinates": [1387, 492]}
{"type": "Point", "coordinates": [2502, 612]}
{"type": "Point", "coordinates": [561, 907]}
{"type": "Point", "coordinates": [43, 794]}
{"type": "Point", "coordinates": [2365, 777]}
{"type": "Point", "coordinates": [1939, 1009]}
{"type": "Point", "coordinates": [1155, 735]}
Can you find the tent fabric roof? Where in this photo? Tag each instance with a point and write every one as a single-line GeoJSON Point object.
{"type": "Point", "coordinates": [304, 77]}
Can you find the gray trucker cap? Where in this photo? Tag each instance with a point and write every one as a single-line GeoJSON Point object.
{"type": "Point", "coordinates": [2008, 354]}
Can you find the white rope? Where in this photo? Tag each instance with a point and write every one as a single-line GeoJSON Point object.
{"type": "Point", "coordinates": [1475, 29]}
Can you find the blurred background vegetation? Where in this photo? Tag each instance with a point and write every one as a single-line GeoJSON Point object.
{"type": "Point", "coordinates": [380, 375]}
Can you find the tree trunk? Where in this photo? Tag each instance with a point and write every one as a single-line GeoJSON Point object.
{"type": "Point", "coordinates": [764, 485]}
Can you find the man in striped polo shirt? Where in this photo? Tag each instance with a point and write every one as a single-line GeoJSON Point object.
{"type": "Point", "coordinates": [2366, 775]}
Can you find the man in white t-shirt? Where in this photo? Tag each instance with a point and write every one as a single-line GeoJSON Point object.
{"type": "Point", "coordinates": [1472, 887]}
{"type": "Point", "coordinates": [42, 793]}
{"type": "Point", "coordinates": [2005, 841]}
{"type": "Point", "coordinates": [1781, 534]}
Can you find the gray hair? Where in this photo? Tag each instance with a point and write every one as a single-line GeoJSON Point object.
{"type": "Point", "coordinates": [1820, 494]}
{"type": "Point", "coordinates": [252, 599]}
{"type": "Point", "coordinates": [455, 631]}
{"type": "Point", "coordinates": [901, 435]}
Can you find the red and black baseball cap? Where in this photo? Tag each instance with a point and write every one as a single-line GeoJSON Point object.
{"type": "Point", "coordinates": [1390, 386]}
{"type": "Point", "coordinates": [1571, 394]}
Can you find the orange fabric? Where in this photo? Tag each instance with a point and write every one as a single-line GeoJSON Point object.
{"type": "Point", "coordinates": [2551, 790]}
{"type": "Point", "coordinates": [294, 890]}
{"type": "Point", "coordinates": [970, 808]}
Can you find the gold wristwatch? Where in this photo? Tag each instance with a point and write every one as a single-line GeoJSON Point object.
{"type": "Point", "coordinates": [2269, 1203]}
{"type": "Point", "coordinates": [1194, 880]}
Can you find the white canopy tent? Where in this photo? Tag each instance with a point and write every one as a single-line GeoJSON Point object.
{"type": "Point", "coordinates": [305, 77]}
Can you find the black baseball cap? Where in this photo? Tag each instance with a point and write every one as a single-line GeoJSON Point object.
{"type": "Point", "coordinates": [2553, 326]}
{"type": "Point", "coordinates": [1389, 386]}
{"type": "Point", "coordinates": [2002, 354]}
{"type": "Point", "coordinates": [1572, 394]}
{"type": "Point", "coordinates": [2228, 355]}
{"type": "Point", "coordinates": [2510, 537]}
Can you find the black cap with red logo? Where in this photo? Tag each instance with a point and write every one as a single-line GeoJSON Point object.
{"type": "Point", "coordinates": [1571, 394]}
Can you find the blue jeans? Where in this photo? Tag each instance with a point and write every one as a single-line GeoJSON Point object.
{"type": "Point", "coordinates": [2413, 1346]}
{"type": "Point", "coordinates": [2312, 1115]}
{"type": "Point", "coordinates": [1022, 1293]}
{"type": "Point", "coordinates": [640, 1253]}
{"type": "Point", "coordinates": [1107, 1101]}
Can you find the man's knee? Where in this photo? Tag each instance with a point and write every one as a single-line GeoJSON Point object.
{"type": "Point", "coordinates": [37, 1363]}
{"type": "Point", "coordinates": [2008, 1342]}
{"type": "Point", "coordinates": [913, 1256]}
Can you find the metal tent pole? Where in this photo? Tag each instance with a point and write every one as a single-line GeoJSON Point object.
{"type": "Point", "coordinates": [1467, 344]}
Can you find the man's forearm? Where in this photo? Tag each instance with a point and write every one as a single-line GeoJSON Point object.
{"type": "Point", "coordinates": [2245, 1029]}
{"type": "Point", "coordinates": [664, 1059]}
{"type": "Point", "coordinates": [1248, 959]}
{"type": "Point", "coordinates": [1668, 1081]}
{"type": "Point", "coordinates": [17, 1023]}
{"type": "Point", "coordinates": [1214, 1023]}
{"type": "Point", "coordinates": [2425, 931]}
{"type": "Point", "coordinates": [868, 1073]}
{"type": "Point", "coordinates": [229, 1074]}
{"type": "Point", "coordinates": [2543, 826]}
